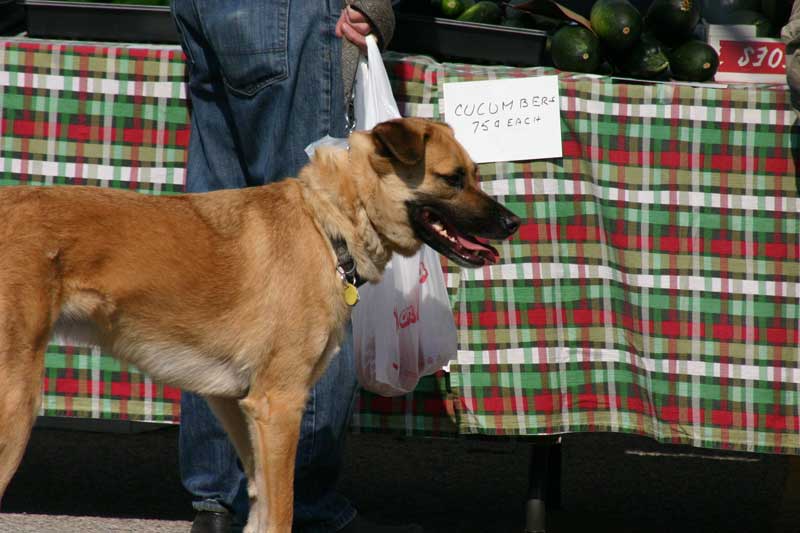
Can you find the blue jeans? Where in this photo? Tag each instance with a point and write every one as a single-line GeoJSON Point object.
{"type": "Point", "coordinates": [264, 82]}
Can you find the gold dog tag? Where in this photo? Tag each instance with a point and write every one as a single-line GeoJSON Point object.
{"type": "Point", "coordinates": [350, 294]}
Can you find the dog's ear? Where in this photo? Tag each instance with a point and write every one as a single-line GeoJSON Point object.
{"type": "Point", "coordinates": [403, 139]}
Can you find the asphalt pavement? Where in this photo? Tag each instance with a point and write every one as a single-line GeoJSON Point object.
{"type": "Point", "coordinates": [87, 482]}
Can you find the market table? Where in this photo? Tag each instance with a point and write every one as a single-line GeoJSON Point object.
{"type": "Point", "coordinates": [652, 288]}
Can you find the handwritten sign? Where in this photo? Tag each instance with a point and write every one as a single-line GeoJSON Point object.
{"type": "Point", "coordinates": [506, 120]}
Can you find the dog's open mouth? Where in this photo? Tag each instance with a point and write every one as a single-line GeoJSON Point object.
{"type": "Point", "coordinates": [447, 239]}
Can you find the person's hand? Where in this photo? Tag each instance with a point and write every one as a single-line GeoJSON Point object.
{"type": "Point", "coordinates": [353, 26]}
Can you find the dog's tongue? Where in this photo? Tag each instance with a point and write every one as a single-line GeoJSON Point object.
{"type": "Point", "coordinates": [492, 256]}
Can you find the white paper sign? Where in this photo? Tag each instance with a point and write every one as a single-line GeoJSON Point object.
{"type": "Point", "coordinates": [506, 120]}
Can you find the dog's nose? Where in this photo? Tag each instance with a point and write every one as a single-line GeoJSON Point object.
{"type": "Point", "coordinates": [510, 223]}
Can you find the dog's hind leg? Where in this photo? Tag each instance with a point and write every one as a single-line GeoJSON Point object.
{"type": "Point", "coordinates": [21, 375]}
{"type": "Point", "coordinates": [29, 304]}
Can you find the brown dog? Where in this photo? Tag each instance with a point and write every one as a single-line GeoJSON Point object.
{"type": "Point", "coordinates": [236, 295]}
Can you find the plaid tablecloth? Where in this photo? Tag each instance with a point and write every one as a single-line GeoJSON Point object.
{"type": "Point", "coordinates": [652, 289]}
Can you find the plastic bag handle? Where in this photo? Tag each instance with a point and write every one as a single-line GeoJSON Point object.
{"type": "Point", "coordinates": [374, 100]}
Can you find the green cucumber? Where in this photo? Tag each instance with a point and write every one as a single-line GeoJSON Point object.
{"type": "Point", "coordinates": [576, 49]}
{"type": "Point", "coordinates": [617, 23]}
{"type": "Point", "coordinates": [694, 61]}
{"type": "Point", "coordinates": [645, 60]}
{"type": "Point", "coordinates": [484, 11]}
{"type": "Point", "coordinates": [453, 8]}
{"type": "Point", "coordinates": [673, 21]}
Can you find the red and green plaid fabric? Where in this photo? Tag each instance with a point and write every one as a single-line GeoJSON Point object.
{"type": "Point", "coordinates": [111, 116]}
{"type": "Point", "coordinates": [92, 115]}
{"type": "Point", "coordinates": [653, 287]}
{"type": "Point", "coordinates": [82, 382]}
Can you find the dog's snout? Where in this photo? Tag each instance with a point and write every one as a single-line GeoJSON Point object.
{"type": "Point", "coordinates": [510, 223]}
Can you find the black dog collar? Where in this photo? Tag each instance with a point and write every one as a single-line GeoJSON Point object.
{"type": "Point", "coordinates": [346, 263]}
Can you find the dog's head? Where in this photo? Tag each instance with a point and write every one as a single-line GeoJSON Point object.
{"type": "Point", "coordinates": [422, 164]}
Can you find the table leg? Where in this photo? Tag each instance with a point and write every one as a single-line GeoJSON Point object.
{"type": "Point", "coordinates": [544, 482]}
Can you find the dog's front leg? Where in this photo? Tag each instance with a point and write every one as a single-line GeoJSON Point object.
{"type": "Point", "coordinates": [273, 417]}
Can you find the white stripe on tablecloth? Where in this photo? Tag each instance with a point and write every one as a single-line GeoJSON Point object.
{"type": "Point", "coordinates": [557, 271]}
{"type": "Point", "coordinates": [564, 356]}
{"type": "Point", "coordinates": [684, 199]}
{"type": "Point", "coordinates": [175, 175]}
{"type": "Point", "coordinates": [156, 89]}
{"type": "Point", "coordinates": [689, 112]}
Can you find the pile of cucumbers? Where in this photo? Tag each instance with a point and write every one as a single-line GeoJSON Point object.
{"type": "Point", "coordinates": [660, 42]}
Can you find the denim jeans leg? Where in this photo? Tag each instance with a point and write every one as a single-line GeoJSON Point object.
{"type": "Point", "coordinates": [287, 97]}
{"type": "Point", "coordinates": [210, 469]}
{"type": "Point", "coordinates": [264, 82]}
{"type": "Point", "coordinates": [318, 507]}
{"type": "Point", "coordinates": [215, 158]}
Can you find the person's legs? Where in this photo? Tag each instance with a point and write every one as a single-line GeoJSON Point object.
{"type": "Point", "coordinates": [292, 95]}
{"type": "Point", "coordinates": [215, 159]}
{"type": "Point", "coordinates": [210, 469]}
{"type": "Point", "coordinates": [318, 507]}
{"type": "Point", "coordinates": [264, 82]}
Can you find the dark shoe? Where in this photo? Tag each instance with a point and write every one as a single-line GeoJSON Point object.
{"type": "Point", "coordinates": [211, 522]}
{"type": "Point", "coordinates": [362, 525]}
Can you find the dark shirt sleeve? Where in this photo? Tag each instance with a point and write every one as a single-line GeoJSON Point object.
{"type": "Point", "coordinates": [380, 15]}
{"type": "Point", "coordinates": [790, 34]}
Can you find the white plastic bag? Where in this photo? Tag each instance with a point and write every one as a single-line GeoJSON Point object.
{"type": "Point", "coordinates": [374, 101]}
{"type": "Point", "coordinates": [403, 327]}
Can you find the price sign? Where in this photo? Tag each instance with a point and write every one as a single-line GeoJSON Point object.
{"type": "Point", "coordinates": [745, 57]}
{"type": "Point", "coordinates": [761, 57]}
{"type": "Point", "coordinates": [506, 120]}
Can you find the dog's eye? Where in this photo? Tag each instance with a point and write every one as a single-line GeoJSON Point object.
{"type": "Point", "coordinates": [454, 179]}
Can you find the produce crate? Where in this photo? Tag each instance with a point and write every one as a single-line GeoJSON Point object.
{"type": "Point", "coordinates": [448, 39]}
{"type": "Point", "coordinates": [100, 21]}
{"type": "Point", "coordinates": [12, 16]}
{"type": "Point", "coordinates": [415, 33]}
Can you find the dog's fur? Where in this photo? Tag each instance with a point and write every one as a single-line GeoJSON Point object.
{"type": "Point", "coordinates": [232, 294]}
